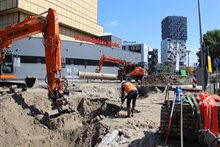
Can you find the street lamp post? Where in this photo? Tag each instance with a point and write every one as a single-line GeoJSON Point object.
{"type": "Point", "coordinates": [188, 51]}
{"type": "Point", "coordinates": [201, 49]}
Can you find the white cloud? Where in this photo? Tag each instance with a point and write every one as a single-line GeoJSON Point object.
{"type": "Point", "coordinates": [107, 33]}
{"type": "Point", "coordinates": [114, 23]}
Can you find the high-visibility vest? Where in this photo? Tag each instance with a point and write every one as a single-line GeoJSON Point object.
{"type": "Point", "coordinates": [129, 87]}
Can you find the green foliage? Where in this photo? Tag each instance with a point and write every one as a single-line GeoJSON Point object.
{"type": "Point", "coordinates": [212, 41]}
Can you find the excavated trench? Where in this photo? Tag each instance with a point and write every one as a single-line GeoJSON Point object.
{"type": "Point", "coordinates": [79, 128]}
{"type": "Point", "coordinates": [88, 111]}
{"type": "Point", "coordinates": [86, 129]}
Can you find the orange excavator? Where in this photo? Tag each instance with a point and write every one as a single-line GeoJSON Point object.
{"type": "Point", "coordinates": [49, 27]}
{"type": "Point", "coordinates": [127, 70]}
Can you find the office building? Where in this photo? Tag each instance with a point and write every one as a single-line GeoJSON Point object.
{"type": "Point", "coordinates": [174, 36]}
{"type": "Point", "coordinates": [82, 39]}
{"type": "Point", "coordinates": [140, 48]}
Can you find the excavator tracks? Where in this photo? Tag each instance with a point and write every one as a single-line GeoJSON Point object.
{"type": "Point", "coordinates": [10, 85]}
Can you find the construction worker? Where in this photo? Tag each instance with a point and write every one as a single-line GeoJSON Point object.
{"type": "Point", "coordinates": [132, 93]}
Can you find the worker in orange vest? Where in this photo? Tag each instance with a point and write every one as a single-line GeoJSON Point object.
{"type": "Point", "coordinates": [132, 93]}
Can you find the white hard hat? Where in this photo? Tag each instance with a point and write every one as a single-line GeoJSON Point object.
{"type": "Point", "coordinates": [123, 81]}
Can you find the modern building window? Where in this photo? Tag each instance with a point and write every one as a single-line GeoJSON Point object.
{"type": "Point", "coordinates": [38, 60]}
{"type": "Point", "coordinates": [68, 61]}
{"type": "Point", "coordinates": [85, 64]}
{"type": "Point", "coordinates": [135, 48]}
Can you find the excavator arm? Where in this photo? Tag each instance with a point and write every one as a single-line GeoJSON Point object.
{"type": "Point", "coordinates": [108, 59]}
{"type": "Point", "coordinates": [49, 27]}
{"type": "Point", "coordinates": [128, 69]}
{"type": "Point", "coordinates": [30, 26]}
{"type": "Point", "coordinates": [100, 64]}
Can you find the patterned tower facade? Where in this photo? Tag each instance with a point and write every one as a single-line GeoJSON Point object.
{"type": "Point", "coordinates": [174, 36]}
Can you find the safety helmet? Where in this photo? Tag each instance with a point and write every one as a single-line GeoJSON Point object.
{"type": "Point", "coordinates": [123, 81]}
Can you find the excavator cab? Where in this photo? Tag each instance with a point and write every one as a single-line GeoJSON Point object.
{"type": "Point", "coordinates": [7, 66]}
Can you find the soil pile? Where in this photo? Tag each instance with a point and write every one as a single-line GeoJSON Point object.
{"type": "Point", "coordinates": [21, 117]}
{"type": "Point", "coordinates": [160, 80]}
{"type": "Point", "coordinates": [96, 90]}
{"type": "Point", "coordinates": [21, 126]}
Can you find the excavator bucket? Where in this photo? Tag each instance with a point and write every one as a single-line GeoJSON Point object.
{"type": "Point", "coordinates": [48, 116]}
{"type": "Point", "coordinates": [46, 120]}
{"type": "Point", "coordinates": [31, 82]}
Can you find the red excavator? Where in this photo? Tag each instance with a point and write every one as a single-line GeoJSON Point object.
{"type": "Point", "coordinates": [49, 27]}
{"type": "Point", "coordinates": [127, 70]}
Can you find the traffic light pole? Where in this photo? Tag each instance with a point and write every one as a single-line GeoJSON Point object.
{"type": "Point", "coordinates": [202, 50]}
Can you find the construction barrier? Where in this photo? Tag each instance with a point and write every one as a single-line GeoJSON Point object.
{"type": "Point", "coordinates": [194, 81]}
{"type": "Point", "coordinates": [209, 111]}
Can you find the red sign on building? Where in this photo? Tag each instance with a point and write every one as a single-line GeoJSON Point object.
{"type": "Point", "coordinates": [96, 41]}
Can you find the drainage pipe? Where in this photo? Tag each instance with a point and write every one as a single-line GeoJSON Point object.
{"type": "Point", "coordinates": [108, 139]}
{"type": "Point", "coordinates": [101, 76]}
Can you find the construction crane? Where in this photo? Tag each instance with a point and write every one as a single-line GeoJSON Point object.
{"type": "Point", "coordinates": [49, 27]}
{"type": "Point", "coordinates": [127, 70]}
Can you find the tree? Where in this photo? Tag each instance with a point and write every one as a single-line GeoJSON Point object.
{"type": "Point", "coordinates": [212, 42]}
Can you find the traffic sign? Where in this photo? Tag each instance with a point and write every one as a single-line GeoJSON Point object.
{"type": "Point", "coordinates": [216, 62]}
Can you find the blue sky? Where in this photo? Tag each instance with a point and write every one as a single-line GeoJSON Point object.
{"type": "Point", "coordinates": [140, 20]}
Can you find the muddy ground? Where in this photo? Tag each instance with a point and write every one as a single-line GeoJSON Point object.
{"type": "Point", "coordinates": [96, 112]}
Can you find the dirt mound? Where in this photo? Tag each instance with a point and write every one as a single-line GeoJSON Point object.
{"type": "Point", "coordinates": [21, 125]}
{"type": "Point", "coordinates": [94, 90]}
{"type": "Point", "coordinates": [160, 80]}
{"type": "Point", "coordinates": [145, 90]}
{"type": "Point", "coordinates": [18, 127]}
